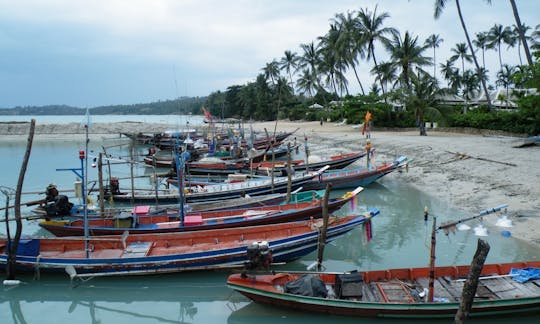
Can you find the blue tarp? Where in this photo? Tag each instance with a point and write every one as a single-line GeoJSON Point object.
{"type": "Point", "coordinates": [525, 274]}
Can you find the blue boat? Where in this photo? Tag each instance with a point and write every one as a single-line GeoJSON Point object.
{"type": "Point", "coordinates": [173, 252]}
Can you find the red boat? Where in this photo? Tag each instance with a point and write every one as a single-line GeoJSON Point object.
{"type": "Point", "coordinates": [203, 220]}
{"type": "Point", "coordinates": [503, 289]}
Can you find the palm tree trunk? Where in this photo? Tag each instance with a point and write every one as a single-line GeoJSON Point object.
{"type": "Point", "coordinates": [500, 56]}
{"type": "Point", "coordinates": [521, 34]}
{"type": "Point", "coordinates": [473, 54]}
{"type": "Point", "coordinates": [358, 79]}
{"type": "Point", "coordinates": [434, 63]}
{"type": "Point", "coordinates": [377, 69]}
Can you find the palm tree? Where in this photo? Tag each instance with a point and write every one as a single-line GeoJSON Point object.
{"type": "Point", "coordinates": [333, 59]}
{"type": "Point", "coordinates": [481, 42]}
{"type": "Point", "coordinates": [496, 36]}
{"type": "Point", "coordinates": [370, 26]}
{"type": "Point", "coordinates": [439, 6]}
{"type": "Point", "coordinates": [515, 38]}
{"type": "Point", "coordinates": [271, 71]}
{"type": "Point", "coordinates": [350, 43]}
{"type": "Point", "coordinates": [386, 72]}
{"type": "Point", "coordinates": [451, 75]}
{"type": "Point", "coordinates": [307, 82]}
{"type": "Point", "coordinates": [521, 32]}
{"type": "Point", "coordinates": [504, 78]}
{"type": "Point", "coordinates": [434, 40]}
{"type": "Point", "coordinates": [289, 63]}
{"type": "Point", "coordinates": [460, 52]}
{"type": "Point", "coordinates": [311, 60]}
{"type": "Point", "coordinates": [406, 54]}
{"type": "Point", "coordinates": [423, 96]}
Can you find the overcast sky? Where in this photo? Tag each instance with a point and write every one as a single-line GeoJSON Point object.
{"type": "Point", "coordinates": [106, 52]}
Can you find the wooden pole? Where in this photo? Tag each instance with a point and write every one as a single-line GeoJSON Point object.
{"type": "Point", "coordinates": [131, 174]}
{"type": "Point", "coordinates": [289, 173]}
{"type": "Point", "coordinates": [12, 257]}
{"type": "Point", "coordinates": [100, 181]}
{"type": "Point", "coordinates": [322, 238]}
{"type": "Point", "coordinates": [469, 288]}
{"type": "Point", "coordinates": [431, 286]}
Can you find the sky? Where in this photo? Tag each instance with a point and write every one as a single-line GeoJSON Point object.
{"type": "Point", "coordinates": [109, 52]}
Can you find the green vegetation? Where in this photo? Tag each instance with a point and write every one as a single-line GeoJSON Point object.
{"type": "Point", "coordinates": [402, 94]}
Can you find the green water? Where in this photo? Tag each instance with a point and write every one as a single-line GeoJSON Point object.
{"type": "Point", "coordinates": [400, 239]}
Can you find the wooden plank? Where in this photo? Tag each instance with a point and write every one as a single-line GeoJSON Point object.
{"type": "Point", "coordinates": [500, 287]}
{"type": "Point", "coordinates": [137, 249]}
{"type": "Point", "coordinates": [367, 293]}
{"type": "Point", "coordinates": [454, 288]}
{"type": "Point", "coordinates": [375, 292]}
{"type": "Point", "coordinates": [484, 292]}
{"type": "Point", "coordinates": [527, 289]}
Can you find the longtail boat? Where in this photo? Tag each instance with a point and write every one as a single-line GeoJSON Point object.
{"type": "Point", "coordinates": [166, 222]}
{"type": "Point", "coordinates": [172, 252]}
{"type": "Point", "coordinates": [334, 162]}
{"type": "Point", "coordinates": [354, 177]}
{"type": "Point", "coordinates": [503, 289]}
{"type": "Point", "coordinates": [218, 191]}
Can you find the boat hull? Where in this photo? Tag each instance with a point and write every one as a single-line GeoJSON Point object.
{"type": "Point", "coordinates": [524, 300]}
{"type": "Point", "coordinates": [176, 252]}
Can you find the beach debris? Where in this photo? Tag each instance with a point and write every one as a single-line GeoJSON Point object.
{"type": "Point", "coordinates": [464, 156]}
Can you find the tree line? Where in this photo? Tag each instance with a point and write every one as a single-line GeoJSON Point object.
{"type": "Point", "coordinates": [180, 106]}
{"type": "Point", "coordinates": [405, 89]}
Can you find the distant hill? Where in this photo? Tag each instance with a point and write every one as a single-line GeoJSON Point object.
{"type": "Point", "coordinates": [180, 106]}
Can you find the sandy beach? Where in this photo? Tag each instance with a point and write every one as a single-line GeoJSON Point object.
{"type": "Point", "coordinates": [468, 172]}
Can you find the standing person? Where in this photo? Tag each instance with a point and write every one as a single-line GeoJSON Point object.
{"type": "Point", "coordinates": [367, 125]}
{"type": "Point", "coordinates": [321, 121]}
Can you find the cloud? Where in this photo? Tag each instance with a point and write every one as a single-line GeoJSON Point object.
{"type": "Point", "coordinates": [131, 51]}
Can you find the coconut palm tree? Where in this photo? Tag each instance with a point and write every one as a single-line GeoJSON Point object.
{"type": "Point", "coordinates": [423, 95]}
{"type": "Point", "coordinates": [307, 83]}
{"type": "Point", "coordinates": [439, 7]}
{"type": "Point", "coordinates": [481, 42]}
{"type": "Point", "coordinates": [350, 43]}
{"type": "Point", "coordinates": [271, 71]}
{"type": "Point", "coordinates": [289, 63]}
{"type": "Point", "coordinates": [521, 32]}
{"type": "Point", "coordinates": [504, 78]}
{"type": "Point", "coordinates": [496, 36]}
{"type": "Point", "coordinates": [310, 60]}
{"type": "Point", "coordinates": [515, 39]}
{"type": "Point", "coordinates": [386, 73]}
{"type": "Point", "coordinates": [434, 40]}
{"type": "Point", "coordinates": [370, 26]}
{"type": "Point", "coordinates": [451, 75]}
{"type": "Point", "coordinates": [333, 59]}
{"type": "Point", "coordinates": [461, 52]}
{"type": "Point", "coordinates": [406, 54]}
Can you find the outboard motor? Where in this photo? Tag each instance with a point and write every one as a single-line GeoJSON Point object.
{"type": "Point", "coordinates": [57, 205]}
{"type": "Point", "coordinates": [259, 256]}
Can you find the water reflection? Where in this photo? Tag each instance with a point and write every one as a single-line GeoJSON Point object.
{"type": "Point", "coordinates": [184, 298]}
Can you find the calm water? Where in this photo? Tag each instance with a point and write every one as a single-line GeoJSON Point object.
{"type": "Point", "coordinates": [161, 119]}
{"type": "Point", "coordinates": [400, 239]}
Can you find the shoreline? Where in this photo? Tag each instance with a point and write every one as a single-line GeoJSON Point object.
{"type": "Point", "coordinates": [469, 172]}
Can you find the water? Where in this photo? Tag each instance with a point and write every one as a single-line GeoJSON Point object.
{"type": "Point", "coordinates": [400, 239]}
{"type": "Point", "coordinates": [172, 120]}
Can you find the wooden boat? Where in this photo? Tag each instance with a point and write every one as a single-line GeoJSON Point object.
{"type": "Point", "coordinates": [172, 252]}
{"type": "Point", "coordinates": [334, 162]}
{"type": "Point", "coordinates": [396, 293]}
{"type": "Point", "coordinates": [77, 211]}
{"type": "Point", "coordinates": [355, 177]}
{"type": "Point", "coordinates": [169, 221]}
{"type": "Point", "coordinates": [218, 191]}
